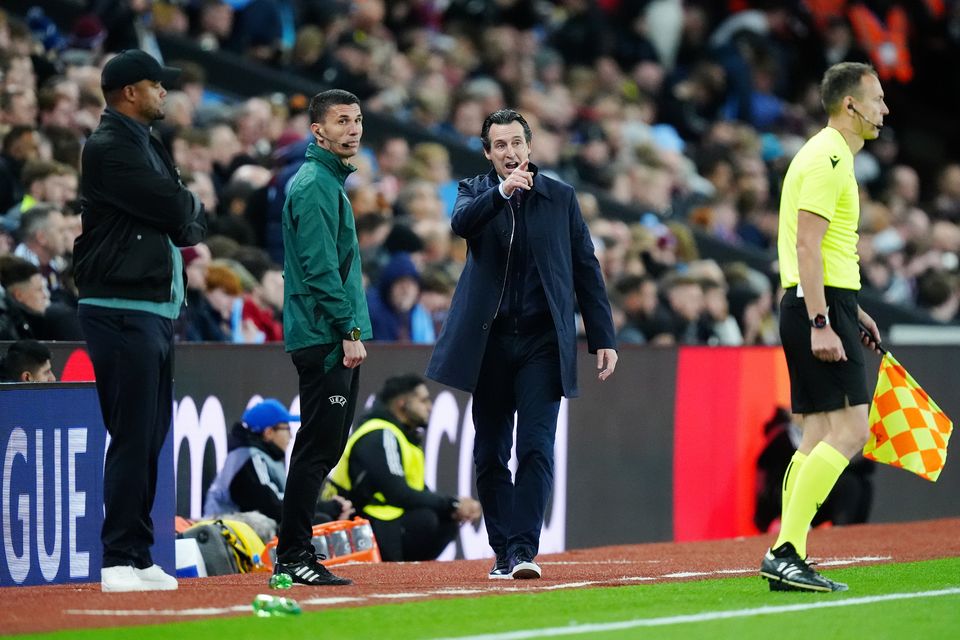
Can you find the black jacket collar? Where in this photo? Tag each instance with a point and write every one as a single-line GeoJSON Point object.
{"type": "Point", "coordinates": [140, 131]}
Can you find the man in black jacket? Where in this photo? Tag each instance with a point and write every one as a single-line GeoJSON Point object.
{"type": "Point", "coordinates": [382, 473]}
{"type": "Point", "coordinates": [129, 272]}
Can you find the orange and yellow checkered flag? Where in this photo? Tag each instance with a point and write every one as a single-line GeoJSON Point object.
{"type": "Point", "coordinates": [907, 428]}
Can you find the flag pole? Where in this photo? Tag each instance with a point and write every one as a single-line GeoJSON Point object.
{"type": "Point", "coordinates": [874, 345]}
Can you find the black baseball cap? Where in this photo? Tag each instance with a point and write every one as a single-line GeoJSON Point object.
{"type": "Point", "coordinates": [133, 65]}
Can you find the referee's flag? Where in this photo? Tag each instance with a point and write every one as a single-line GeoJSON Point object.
{"type": "Point", "coordinates": [907, 428]}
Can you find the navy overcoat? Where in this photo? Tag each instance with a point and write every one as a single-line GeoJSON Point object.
{"type": "Point", "coordinates": [563, 251]}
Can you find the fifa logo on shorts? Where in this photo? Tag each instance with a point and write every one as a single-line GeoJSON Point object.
{"type": "Point", "coordinates": [340, 400]}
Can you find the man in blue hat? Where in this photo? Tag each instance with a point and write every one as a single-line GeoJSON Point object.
{"type": "Point", "coordinates": [253, 477]}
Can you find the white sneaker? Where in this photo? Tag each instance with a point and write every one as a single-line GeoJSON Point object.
{"type": "Point", "coordinates": [118, 579]}
{"type": "Point", "coordinates": [525, 570]}
{"type": "Point", "coordinates": [154, 578]}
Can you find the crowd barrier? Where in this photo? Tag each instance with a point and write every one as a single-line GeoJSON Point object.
{"type": "Point", "coordinates": [663, 450]}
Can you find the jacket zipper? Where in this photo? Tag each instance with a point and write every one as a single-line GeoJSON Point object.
{"type": "Point", "coordinates": [506, 271]}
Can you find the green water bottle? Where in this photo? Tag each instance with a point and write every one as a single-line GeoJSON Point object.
{"type": "Point", "coordinates": [280, 581]}
{"type": "Point", "coordinates": [267, 606]}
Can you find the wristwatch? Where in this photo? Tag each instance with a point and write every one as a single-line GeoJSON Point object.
{"type": "Point", "coordinates": [820, 321]}
{"type": "Point", "coordinates": [353, 334]}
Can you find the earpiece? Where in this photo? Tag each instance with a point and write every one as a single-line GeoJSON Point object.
{"type": "Point", "coordinates": [856, 111]}
{"type": "Point", "coordinates": [321, 133]}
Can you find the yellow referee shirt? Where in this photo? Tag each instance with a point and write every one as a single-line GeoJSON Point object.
{"type": "Point", "coordinates": [820, 180]}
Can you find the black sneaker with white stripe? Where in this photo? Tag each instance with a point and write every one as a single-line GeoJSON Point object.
{"type": "Point", "coordinates": [501, 569]}
{"type": "Point", "coordinates": [787, 571]}
{"type": "Point", "coordinates": [307, 570]}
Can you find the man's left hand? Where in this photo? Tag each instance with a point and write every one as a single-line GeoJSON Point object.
{"type": "Point", "coordinates": [346, 508]}
{"type": "Point", "coordinates": [468, 511]}
{"type": "Point", "coordinates": [606, 362]}
{"type": "Point", "coordinates": [872, 341]}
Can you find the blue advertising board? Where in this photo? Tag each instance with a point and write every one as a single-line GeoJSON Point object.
{"type": "Point", "coordinates": [52, 447]}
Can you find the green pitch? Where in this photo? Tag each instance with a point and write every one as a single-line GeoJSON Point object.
{"type": "Point", "coordinates": [897, 601]}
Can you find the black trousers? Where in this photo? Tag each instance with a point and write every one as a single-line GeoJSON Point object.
{"type": "Point", "coordinates": [419, 534]}
{"type": "Point", "coordinates": [328, 399]}
{"type": "Point", "coordinates": [132, 356]}
{"type": "Point", "coordinates": [520, 374]}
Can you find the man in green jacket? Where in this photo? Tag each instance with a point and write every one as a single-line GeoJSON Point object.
{"type": "Point", "coordinates": [324, 320]}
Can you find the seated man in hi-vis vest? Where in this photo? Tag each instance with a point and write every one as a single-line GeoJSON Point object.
{"type": "Point", "coordinates": [382, 473]}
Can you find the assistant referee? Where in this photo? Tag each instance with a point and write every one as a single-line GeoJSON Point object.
{"type": "Point", "coordinates": [819, 314]}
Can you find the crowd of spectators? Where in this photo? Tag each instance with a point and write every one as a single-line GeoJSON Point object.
{"type": "Point", "coordinates": [684, 112]}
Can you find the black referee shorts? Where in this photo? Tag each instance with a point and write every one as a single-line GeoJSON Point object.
{"type": "Point", "coordinates": [817, 386]}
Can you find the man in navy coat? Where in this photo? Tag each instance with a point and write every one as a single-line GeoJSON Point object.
{"type": "Point", "coordinates": [510, 337]}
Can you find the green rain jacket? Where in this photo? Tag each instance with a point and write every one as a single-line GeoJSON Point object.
{"type": "Point", "coordinates": [323, 297]}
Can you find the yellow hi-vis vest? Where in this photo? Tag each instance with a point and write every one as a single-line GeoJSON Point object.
{"type": "Point", "coordinates": [410, 455]}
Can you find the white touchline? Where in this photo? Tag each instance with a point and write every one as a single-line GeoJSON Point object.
{"type": "Point", "coordinates": [700, 617]}
{"type": "Point", "coordinates": [202, 611]}
{"type": "Point", "coordinates": [833, 562]}
{"type": "Point", "coordinates": [592, 562]}
{"type": "Point", "coordinates": [491, 589]}
{"type": "Point", "coordinates": [326, 601]}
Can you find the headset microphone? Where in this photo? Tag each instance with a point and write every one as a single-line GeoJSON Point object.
{"type": "Point", "coordinates": [854, 109]}
{"type": "Point", "coordinates": [330, 141]}
{"type": "Point", "coordinates": [319, 134]}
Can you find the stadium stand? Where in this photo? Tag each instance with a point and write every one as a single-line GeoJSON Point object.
{"type": "Point", "coordinates": [675, 121]}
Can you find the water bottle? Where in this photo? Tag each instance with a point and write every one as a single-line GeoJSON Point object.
{"type": "Point", "coordinates": [362, 537]}
{"type": "Point", "coordinates": [339, 543]}
{"type": "Point", "coordinates": [280, 581]}
{"type": "Point", "coordinates": [267, 606]}
{"type": "Point", "coordinates": [320, 546]}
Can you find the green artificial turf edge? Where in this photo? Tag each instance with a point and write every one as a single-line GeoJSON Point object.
{"type": "Point", "coordinates": [441, 618]}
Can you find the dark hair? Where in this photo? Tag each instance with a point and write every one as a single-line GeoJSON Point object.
{"type": "Point", "coordinates": [396, 386]}
{"type": "Point", "coordinates": [933, 289]}
{"type": "Point", "coordinates": [23, 355]}
{"type": "Point", "coordinates": [326, 99]}
{"type": "Point", "coordinates": [14, 271]}
{"type": "Point", "coordinates": [369, 222]}
{"type": "Point", "coordinates": [35, 170]}
{"type": "Point", "coordinates": [255, 260]}
{"type": "Point", "coordinates": [16, 132]}
{"type": "Point", "coordinates": [630, 283]}
{"type": "Point", "coordinates": [841, 80]}
{"type": "Point", "coordinates": [503, 116]}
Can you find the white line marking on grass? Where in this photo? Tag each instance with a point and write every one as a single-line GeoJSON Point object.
{"type": "Point", "coordinates": [567, 585]}
{"type": "Point", "coordinates": [834, 562]}
{"type": "Point", "coordinates": [398, 596]}
{"type": "Point", "coordinates": [527, 587]}
{"type": "Point", "coordinates": [574, 562]}
{"type": "Point", "coordinates": [326, 601]}
{"type": "Point", "coordinates": [201, 611]}
{"type": "Point", "coordinates": [701, 617]}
